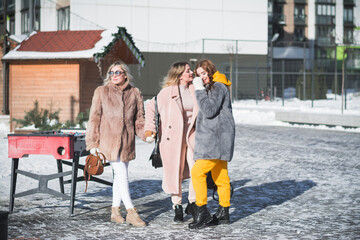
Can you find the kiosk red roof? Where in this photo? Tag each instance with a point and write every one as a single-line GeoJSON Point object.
{"type": "Point", "coordinates": [61, 41]}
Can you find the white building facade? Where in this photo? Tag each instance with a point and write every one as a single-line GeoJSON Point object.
{"type": "Point", "coordinates": [164, 31]}
{"type": "Point", "coordinates": [229, 32]}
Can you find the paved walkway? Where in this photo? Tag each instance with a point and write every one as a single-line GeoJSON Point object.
{"type": "Point", "coordinates": [290, 183]}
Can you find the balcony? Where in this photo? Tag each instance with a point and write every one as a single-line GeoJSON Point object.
{"type": "Point", "coordinates": [300, 20]}
{"type": "Point", "coordinates": [270, 17]}
{"type": "Point", "coordinates": [325, 40]}
{"type": "Point", "coordinates": [279, 18]}
{"type": "Point", "coordinates": [349, 2]}
{"type": "Point", "coordinates": [325, 20]}
{"type": "Point", "coordinates": [11, 5]}
{"type": "Point", "coordinates": [325, 1]}
{"type": "Point", "coordinates": [349, 23]}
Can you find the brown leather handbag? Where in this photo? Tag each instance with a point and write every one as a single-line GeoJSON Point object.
{"type": "Point", "coordinates": [94, 165]}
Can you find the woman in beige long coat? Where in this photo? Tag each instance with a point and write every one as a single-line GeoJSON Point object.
{"type": "Point", "coordinates": [178, 109]}
{"type": "Point", "coordinates": [116, 115]}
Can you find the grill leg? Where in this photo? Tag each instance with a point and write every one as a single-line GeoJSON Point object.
{"type": "Point", "coordinates": [75, 166]}
{"type": "Point", "coordinates": [14, 167]}
{"type": "Point", "coordinates": [61, 179]}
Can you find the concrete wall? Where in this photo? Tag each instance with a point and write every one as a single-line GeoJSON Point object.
{"type": "Point", "coordinates": [149, 78]}
{"type": "Point", "coordinates": [319, 119]}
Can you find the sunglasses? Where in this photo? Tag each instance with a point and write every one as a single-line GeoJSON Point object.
{"type": "Point", "coordinates": [117, 73]}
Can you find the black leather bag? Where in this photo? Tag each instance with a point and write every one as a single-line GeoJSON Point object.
{"type": "Point", "coordinates": [155, 156]}
{"type": "Point", "coordinates": [211, 185]}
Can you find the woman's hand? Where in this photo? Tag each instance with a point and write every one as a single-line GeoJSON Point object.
{"type": "Point", "coordinates": [198, 83]}
{"type": "Point", "coordinates": [94, 151]}
{"type": "Point", "coordinates": [150, 136]}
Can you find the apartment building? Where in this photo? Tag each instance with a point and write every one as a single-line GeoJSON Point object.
{"type": "Point", "coordinates": [311, 35]}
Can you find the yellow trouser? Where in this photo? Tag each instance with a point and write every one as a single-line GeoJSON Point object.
{"type": "Point", "coordinates": [220, 176]}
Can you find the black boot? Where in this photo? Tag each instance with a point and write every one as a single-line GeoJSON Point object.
{"type": "Point", "coordinates": [179, 217]}
{"type": "Point", "coordinates": [190, 209]}
{"type": "Point", "coordinates": [202, 217]}
{"type": "Point", "coordinates": [222, 215]}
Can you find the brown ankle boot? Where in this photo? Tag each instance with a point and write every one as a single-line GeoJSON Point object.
{"type": "Point", "coordinates": [116, 215]}
{"type": "Point", "coordinates": [133, 218]}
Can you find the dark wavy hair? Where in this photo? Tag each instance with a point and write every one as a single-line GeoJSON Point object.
{"type": "Point", "coordinates": [210, 68]}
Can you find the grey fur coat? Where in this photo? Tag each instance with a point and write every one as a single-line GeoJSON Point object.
{"type": "Point", "coordinates": [215, 126]}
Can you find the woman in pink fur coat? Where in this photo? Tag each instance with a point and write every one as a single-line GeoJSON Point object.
{"type": "Point", "coordinates": [178, 110]}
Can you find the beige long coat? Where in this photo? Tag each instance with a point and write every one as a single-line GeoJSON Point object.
{"type": "Point", "coordinates": [172, 142]}
{"type": "Point", "coordinates": [116, 115]}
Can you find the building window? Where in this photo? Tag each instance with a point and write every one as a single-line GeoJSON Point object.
{"type": "Point", "coordinates": [64, 18]}
{"type": "Point", "coordinates": [325, 34]}
{"type": "Point", "coordinates": [10, 11]}
{"type": "Point", "coordinates": [11, 5]}
{"type": "Point", "coordinates": [25, 16]}
{"type": "Point", "coordinates": [348, 35]}
{"type": "Point", "coordinates": [25, 22]}
{"type": "Point", "coordinates": [11, 24]}
{"type": "Point", "coordinates": [327, 1]}
{"type": "Point", "coordinates": [299, 34]}
{"type": "Point", "coordinates": [279, 14]}
{"type": "Point", "coordinates": [325, 23]}
{"type": "Point", "coordinates": [348, 23]}
{"type": "Point", "coordinates": [348, 15]}
{"type": "Point", "coordinates": [325, 14]}
{"type": "Point", "coordinates": [299, 14]}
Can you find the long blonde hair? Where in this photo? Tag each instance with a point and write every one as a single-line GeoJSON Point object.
{"type": "Point", "coordinates": [174, 73]}
{"type": "Point", "coordinates": [123, 66]}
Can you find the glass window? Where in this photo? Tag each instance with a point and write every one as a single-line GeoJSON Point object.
{"type": "Point", "coordinates": [348, 35]}
{"type": "Point", "coordinates": [24, 4]}
{"type": "Point", "coordinates": [25, 21]}
{"type": "Point", "coordinates": [325, 10]}
{"type": "Point", "coordinates": [299, 34]}
{"type": "Point", "coordinates": [325, 34]}
{"type": "Point", "coordinates": [11, 4]}
{"type": "Point", "coordinates": [12, 25]}
{"type": "Point", "coordinates": [37, 20]}
{"type": "Point", "coordinates": [64, 18]}
{"type": "Point", "coordinates": [299, 14]}
{"type": "Point", "coordinates": [25, 16]}
{"type": "Point", "coordinates": [348, 15]}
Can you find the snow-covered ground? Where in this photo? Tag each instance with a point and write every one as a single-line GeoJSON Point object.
{"type": "Point", "coordinates": [263, 113]}
{"type": "Point", "coordinates": [244, 111]}
{"type": "Point", "coordinates": [279, 168]}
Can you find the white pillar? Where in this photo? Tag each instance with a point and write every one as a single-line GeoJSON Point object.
{"type": "Point", "coordinates": [339, 28]}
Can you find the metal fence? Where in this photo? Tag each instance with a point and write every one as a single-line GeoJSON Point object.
{"type": "Point", "coordinates": [254, 83]}
{"type": "Point", "coordinates": [302, 70]}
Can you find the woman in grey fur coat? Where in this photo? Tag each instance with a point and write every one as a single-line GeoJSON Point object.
{"type": "Point", "coordinates": [214, 142]}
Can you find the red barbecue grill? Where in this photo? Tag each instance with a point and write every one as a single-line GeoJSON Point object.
{"type": "Point", "coordinates": [63, 145]}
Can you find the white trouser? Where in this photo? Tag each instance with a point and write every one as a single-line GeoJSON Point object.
{"type": "Point", "coordinates": [120, 188]}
